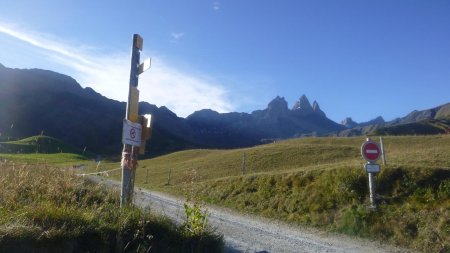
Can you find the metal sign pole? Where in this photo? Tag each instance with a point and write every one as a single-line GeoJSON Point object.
{"type": "Point", "coordinates": [372, 190]}
{"type": "Point", "coordinates": [370, 151]}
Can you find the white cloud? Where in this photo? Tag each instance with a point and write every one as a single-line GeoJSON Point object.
{"type": "Point", "coordinates": [177, 36]}
{"type": "Point", "coordinates": [108, 74]}
{"type": "Point", "coordinates": [186, 93]}
{"type": "Point", "coordinates": [216, 6]}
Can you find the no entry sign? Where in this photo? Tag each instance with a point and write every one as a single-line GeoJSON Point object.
{"type": "Point", "coordinates": [370, 151]}
{"type": "Point", "coordinates": [131, 133]}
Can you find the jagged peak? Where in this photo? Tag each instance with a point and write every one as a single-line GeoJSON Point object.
{"type": "Point", "coordinates": [302, 104]}
{"type": "Point", "coordinates": [277, 106]}
{"type": "Point", "coordinates": [348, 122]}
{"type": "Point", "coordinates": [278, 102]}
{"type": "Point", "coordinates": [377, 120]}
{"type": "Point", "coordinates": [278, 99]}
{"type": "Point", "coordinates": [315, 106]}
{"type": "Point", "coordinates": [316, 109]}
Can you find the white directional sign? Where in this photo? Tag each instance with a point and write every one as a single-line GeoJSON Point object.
{"type": "Point", "coordinates": [131, 133]}
{"type": "Point", "coordinates": [372, 168]}
{"type": "Point", "coordinates": [144, 66]}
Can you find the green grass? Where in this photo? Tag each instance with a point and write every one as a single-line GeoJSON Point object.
{"type": "Point", "coordinates": [38, 144]}
{"type": "Point", "coordinates": [42, 150]}
{"type": "Point", "coordinates": [444, 112]}
{"type": "Point", "coordinates": [42, 159]}
{"type": "Point", "coordinates": [425, 127]}
{"type": "Point", "coordinates": [320, 182]}
{"type": "Point", "coordinates": [47, 209]}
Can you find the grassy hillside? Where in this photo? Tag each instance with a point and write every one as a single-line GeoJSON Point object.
{"type": "Point", "coordinates": [425, 127]}
{"type": "Point", "coordinates": [38, 144]}
{"type": "Point", "coordinates": [42, 150]}
{"type": "Point", "coordinates": [45, 209]}
{"type": "Point", "coordinates": [59, 159]}
{"type": "Point", "coordinates": [443, 112]}
{"type": "Point", "coordinates": [320, 182]}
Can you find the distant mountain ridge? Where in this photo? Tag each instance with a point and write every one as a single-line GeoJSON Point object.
{"type": "Point", "coordinates": [277, 121]}
{"type": "Point", "coordinates": [430, 121]}
{"type": "Point", "coordinates": [35, 101]}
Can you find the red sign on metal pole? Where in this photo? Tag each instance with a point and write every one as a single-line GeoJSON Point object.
{"type": "Point", "coordinates": [370, 151]}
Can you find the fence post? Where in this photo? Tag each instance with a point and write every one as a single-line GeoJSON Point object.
{"type": "Point", "coordinates": [382, 151]}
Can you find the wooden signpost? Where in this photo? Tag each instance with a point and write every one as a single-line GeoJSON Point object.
{"type": "Point", "coordinates": [136, 129]}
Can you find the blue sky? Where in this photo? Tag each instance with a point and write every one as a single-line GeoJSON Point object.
{"type": "Point", "coordinates": [356, 58]}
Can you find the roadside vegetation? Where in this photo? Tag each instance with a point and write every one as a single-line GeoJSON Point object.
{"type": "Point", "coordinates": [49, 209]}
{"type": "Point", "coordinates": [320, 182]}
{"type": "Point", "coordinates": [38, 144]}
{"type": "Point", "coordinates": [42, 150]}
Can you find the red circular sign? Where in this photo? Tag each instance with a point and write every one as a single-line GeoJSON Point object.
{"type": "Point", "coordinates": [370, 151]}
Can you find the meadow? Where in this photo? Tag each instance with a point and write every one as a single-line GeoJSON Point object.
{"type": "Point", "coordinates": [320, 182]}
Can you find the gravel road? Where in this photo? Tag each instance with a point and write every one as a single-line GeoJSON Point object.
{"type": "Point", "coordinates": [252, 234]}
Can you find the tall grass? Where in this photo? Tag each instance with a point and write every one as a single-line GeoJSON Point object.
{"type": "Point", "coordinates": [413, 204]}
{"type": "Point", "coordinates": [50, 210]}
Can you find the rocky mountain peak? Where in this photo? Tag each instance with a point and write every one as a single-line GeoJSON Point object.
{"type": "Point", "coordinates": [376, 121]}
{"type": "Point", "coordinates": [315, 106]}
{"type": "Point", "coordinates": [316, 109]}
{"type": "Point", "coordinates": [349, 123]}
{"type": "Point", "coordinates": [203, 114]}
{"type": "Point", "coordinates": [278, 106]}
{"type": "Point", "coordinates": [302, 105]}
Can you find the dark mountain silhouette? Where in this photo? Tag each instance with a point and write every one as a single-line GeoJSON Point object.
{"type": "Point", "coordinates": [35, 101]}
{"type": "Point", "coordinates": [38, 101]}
{"type": "Point", "coordinates": [274, 122]}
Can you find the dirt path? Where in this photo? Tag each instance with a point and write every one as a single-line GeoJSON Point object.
{"type": "Point", "coordinates": [251, 234]}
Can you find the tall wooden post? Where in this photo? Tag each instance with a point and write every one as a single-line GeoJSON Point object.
{"type": "Point", "coordinates": [130, 153]}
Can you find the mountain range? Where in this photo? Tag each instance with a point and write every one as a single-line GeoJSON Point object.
{"type": "Point", "coordinates": [431, 121]}
{"type": "Point", "coordinates": [35, 101]}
